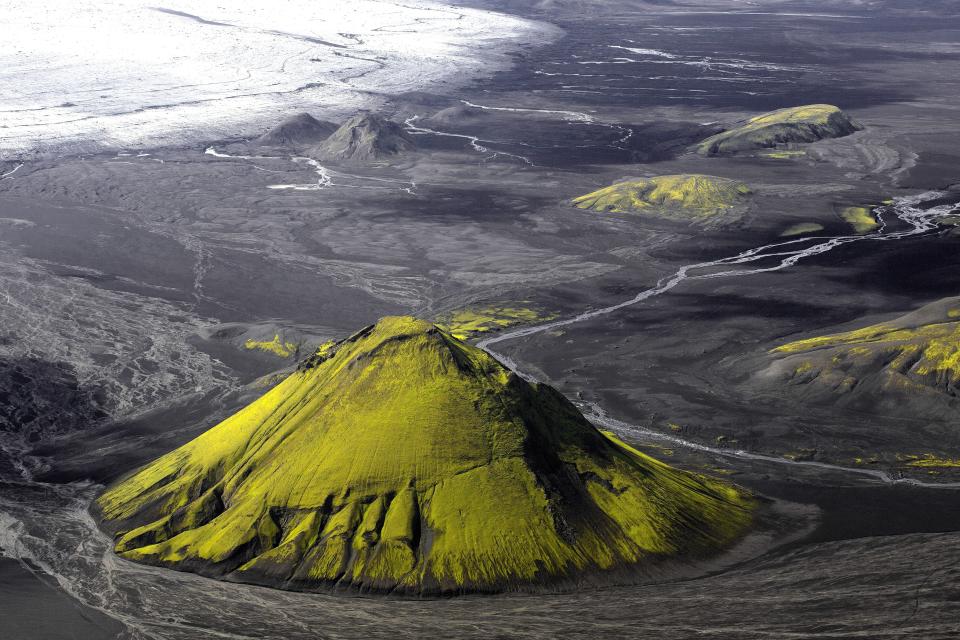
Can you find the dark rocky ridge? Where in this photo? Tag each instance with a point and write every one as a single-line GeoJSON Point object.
{"type": "Point", "coordinates": [804, 124]}
{"type": "Point", "coordinates": [364, 138]}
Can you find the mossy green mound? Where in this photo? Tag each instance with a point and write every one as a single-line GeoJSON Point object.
{"type": "Point", "coordinates": [404, 459]}
{"type": "Point", "coordinates": [464, 324]}
{"type": "Point", "coordinates": [693, 197]}
{"type": "Point", "coordinates": [860, 218]}
{"type": "Point", "coordinates": [914, 355]}
{"type": "Point", "coordinates": [808, 123]}
{"type": "Point", "coordinates": [278, 346]}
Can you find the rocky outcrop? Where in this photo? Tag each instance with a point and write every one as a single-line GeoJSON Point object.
{"type": "Point", "coordinates": [805, 124]}
{"type": "Point", "coordinates": [365, 138]}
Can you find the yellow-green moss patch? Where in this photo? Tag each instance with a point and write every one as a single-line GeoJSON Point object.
{"type": "Point", "coordinates": [915, 352]}
{"type": "Point", "coordinates": [693, 197]}
{"type": "Point", "coordinates": [927, 350]}
{"type": "Point", "coordinates": [784, 155]}
{"type": "Point", "coordinates": [949, 221]}
{"type": "Point", "coordinates": [277, 346]}
{"type": "Point", "coordinates": [931, 461]}
{"type": "Point", "coordinates": [860, 218]}
{"type": "Point", "coordinates": [801, 228]}
{"type": "Point", "coordinates": [473, 321]}
{"type": "Point", "coordinates": [403, 458]}
{"type": "Point", "coordinates": [804, 124]}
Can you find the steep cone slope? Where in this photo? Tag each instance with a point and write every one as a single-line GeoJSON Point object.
{"type": "Point", "coordinates": [405, 459]}
{"type": "Point", "coordinates": [907, 360]}
{"type": "Point", "coordinates": [808, 123]}
{"type": "Point", "coordinates": [297, 131]}
{"type": "Point", "coordinates": [363, 138]}
{"type": "Point", "coordinates": [693, 197]}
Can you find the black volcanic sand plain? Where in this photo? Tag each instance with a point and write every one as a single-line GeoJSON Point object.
{"type": "Point", "coordinates": [132, 287]}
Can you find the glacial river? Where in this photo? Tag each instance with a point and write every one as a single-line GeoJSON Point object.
{"type": "Point", "coordinates": [905, 218]}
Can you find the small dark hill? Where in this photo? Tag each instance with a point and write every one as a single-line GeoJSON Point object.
{"type": "Point", "coordinates": [363, 138]}
{"type": "Point", "coordinates": [301, 130]}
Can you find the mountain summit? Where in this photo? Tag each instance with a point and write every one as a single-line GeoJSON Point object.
{"type": "Point", "coordinates": [365, 137]}
{"type": "Point", "coordinates": [298, 130]}
{"type": "Point", "coordinates": [402, 459]}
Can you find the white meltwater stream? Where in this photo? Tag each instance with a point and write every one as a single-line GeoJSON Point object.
{"type": "Point", "coordinates": [325, 175]}
{"type": "Point", "coordinates": [906, 210]}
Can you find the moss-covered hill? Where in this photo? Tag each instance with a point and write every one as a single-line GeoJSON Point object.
{"type": "Point", "coordinates": [808, 123]}
{"type": "Point", "coordinates": [689, 197]}
{"type": "Point", "coordinates": [403, 459]}
{"type": "Point", "coordinates": [474, 321]}
{"type": "Point", "coordinates": [914, 357]}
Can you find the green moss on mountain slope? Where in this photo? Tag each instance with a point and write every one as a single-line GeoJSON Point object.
{"type": "Point", "coordinates": [808, 123]}
{"type": "Point", "coordinates": [919, 351]}
{"type": "Point", "coordinates": [698, 198]}
{"type": "Point", "coordinates": [404, 459]}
